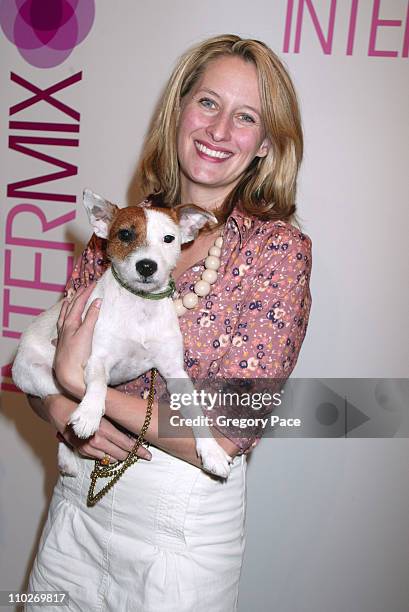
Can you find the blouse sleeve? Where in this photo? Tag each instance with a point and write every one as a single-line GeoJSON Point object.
{"type": "Point", "coordinates": [272, 322]}
{"type": "Point", "coordinates": [90, 265]}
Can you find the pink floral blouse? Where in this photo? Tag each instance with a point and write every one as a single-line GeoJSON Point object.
{"type": "Point", "coordinates": [253, 322]}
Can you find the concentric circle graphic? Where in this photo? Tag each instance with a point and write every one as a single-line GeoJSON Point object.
{"type": "Point", "coordinates": [46, 31]}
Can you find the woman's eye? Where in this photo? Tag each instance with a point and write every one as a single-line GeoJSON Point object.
{"type": "Point", "coordinates": [247, 118]}
{"type": "Point", "coordinates": [206, 102]}
{"type": "Point", "coordinates": [126, 235]}
{"type": "Point", "coordinates": [168, 238]}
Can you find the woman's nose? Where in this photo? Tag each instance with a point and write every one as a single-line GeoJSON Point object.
{"type": "Point", "coordinates": [219, 128]}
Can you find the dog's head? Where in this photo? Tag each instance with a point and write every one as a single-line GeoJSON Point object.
{"type": "Point", "coordinates": [144, 242]}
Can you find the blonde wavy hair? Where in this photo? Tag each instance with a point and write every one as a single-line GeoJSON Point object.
{"type": "Point", "coordinates": [267, 188]}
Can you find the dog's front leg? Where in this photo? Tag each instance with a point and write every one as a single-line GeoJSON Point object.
{"type": "Point", "coordinates": [86, 418]}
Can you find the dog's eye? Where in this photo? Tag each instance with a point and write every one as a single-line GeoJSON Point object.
{"type": "Point", "coordinates": [168, 238]}
{"type": "Point", "coordinates": [126, 235]}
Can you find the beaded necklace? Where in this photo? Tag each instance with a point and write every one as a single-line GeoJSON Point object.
{"type": "Point", "coordinates": [203, 285]}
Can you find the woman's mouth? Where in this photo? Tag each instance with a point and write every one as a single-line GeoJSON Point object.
{"type": "Point", "coordinates": [211, 154]}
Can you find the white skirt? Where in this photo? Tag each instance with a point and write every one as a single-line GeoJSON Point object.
{"type": "Point", "coordinates": [166, 538]}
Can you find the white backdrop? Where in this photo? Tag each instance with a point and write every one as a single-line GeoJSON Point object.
{"type": "Point", "coordinates": [327, 526]}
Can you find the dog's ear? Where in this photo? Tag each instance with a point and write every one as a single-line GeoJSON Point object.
{"type": "Point", "coordinates": [191, 219]}
{"type": "Point", "coordinates": [100, 212]}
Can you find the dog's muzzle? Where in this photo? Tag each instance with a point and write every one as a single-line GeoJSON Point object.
{"type": "Point", "coordinates": [146, 267]}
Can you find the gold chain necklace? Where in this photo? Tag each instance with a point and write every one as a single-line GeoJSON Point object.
{"type": "Point", "coordinates": [115, 471]}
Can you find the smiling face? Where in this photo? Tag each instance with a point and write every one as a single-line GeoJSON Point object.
{"type": "Point", "coordinates": [220, 128]}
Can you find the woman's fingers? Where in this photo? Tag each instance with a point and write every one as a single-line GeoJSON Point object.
{"type": "Point", "coordinates": [62, 315]}
{"type": "Point", "coordinates": [108, 440]}
{"type": "Point", "coordinates": [66, 308]}
{"type": "Point", "coordinates": [76, 307]}
{"type": "Point", "coordinates": [75, 342]}
{"type": "Point", "coordinates": [121, 440]}
{"type": "Point", "coordinates": [92, 314]}
{"type": "Point", "coordinates": [115, 453]}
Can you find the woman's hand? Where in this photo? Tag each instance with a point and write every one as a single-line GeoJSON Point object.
{"type": "Point", "coordinates": [75, 340]}
{"type": "Point", "coordinates": [107, 440]}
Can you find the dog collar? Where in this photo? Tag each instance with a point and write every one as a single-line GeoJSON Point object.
{"type": "Point", "coordinates": [170, 289]}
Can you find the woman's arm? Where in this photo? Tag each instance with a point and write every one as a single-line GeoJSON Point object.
{"type": "Point", "coordinates": [37, 405]}
{"type": "Point", "coordinates": [107, 440]}
{"type": "Point", "coordinates": [54, 409]}
{"type": "Point", "coordinates": [130, 412]}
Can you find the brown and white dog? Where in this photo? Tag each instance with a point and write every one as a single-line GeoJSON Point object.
{"type": "Point", "coordinates": [132, 334]}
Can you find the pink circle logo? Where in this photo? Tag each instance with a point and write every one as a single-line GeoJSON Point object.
{"type": "Point", "coordinates": [46, 31]}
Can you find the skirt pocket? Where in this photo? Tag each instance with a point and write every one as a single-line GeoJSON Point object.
{"type": "Point", "coordinates": [173, 505]}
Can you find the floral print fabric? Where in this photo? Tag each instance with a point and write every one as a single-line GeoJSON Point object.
{"type": "Point", "coordinates": [253, 322]}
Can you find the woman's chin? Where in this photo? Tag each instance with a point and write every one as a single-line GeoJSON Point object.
{"type": "Point", "coordinates": [210, 179]}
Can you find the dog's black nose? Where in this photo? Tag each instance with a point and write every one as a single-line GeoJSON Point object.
{"type": "Point", "coordinates": [146, 267]}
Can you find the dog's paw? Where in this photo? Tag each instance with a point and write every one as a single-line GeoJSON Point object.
{"type": "Point", "coordinates": [84, 423]}
{"type": "Point", "coordinates": [67, 464]}
{"type": "Point", "coordinates": [214, 457]}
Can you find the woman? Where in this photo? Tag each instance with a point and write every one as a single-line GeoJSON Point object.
{"type": "Point", "coordinates": [169, 536]}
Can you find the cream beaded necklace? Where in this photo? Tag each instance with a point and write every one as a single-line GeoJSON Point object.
{"type": "Point", "coordinates": [202, 286]}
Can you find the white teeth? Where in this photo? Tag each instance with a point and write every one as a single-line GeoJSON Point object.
{"type": "Point", "coordinates": [210, 152]}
